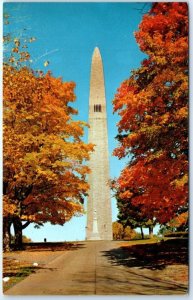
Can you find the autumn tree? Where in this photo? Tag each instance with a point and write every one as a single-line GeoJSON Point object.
{"type": "Point", "coordinates": [122, 233]}
{"type": "Point", "coordinates": [153, 109]}
{"type": "Point", "coordinates": [118, 231]}
{"type": "Point", "coordinates": [44, 178]}
{"type": "Point", "coordinates": [178, 224]}
{"type": "Point", "coordinates": [129, 233]}
{"type": "Point", "coordinates": [25, 239]}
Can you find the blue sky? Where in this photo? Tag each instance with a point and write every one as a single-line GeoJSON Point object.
{"type": "Point", "coordinates": [67, 34]}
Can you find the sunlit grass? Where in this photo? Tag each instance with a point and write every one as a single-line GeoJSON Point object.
{"type": "Point", "coordinates": [15, 271]}
{"type": "Point", "coordinates": [153, 240]}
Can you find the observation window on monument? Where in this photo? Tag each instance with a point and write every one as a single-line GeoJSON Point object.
{"type": "Point", "coordinates": [97, 108]}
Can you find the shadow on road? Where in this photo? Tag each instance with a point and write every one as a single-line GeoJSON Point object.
{"type": "Point", "coordinates": [151, 256]}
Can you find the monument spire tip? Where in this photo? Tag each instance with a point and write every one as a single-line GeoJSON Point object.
{"type": "Point", "coordinates": [96, 50]}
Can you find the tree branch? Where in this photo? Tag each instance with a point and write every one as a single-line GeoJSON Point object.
{"type": "Point", "coordinates": [26, 224]}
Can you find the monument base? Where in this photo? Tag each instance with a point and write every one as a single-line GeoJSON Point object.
{"type": "Point", "coordinates": [94, 238]}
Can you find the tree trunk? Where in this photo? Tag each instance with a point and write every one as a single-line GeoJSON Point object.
{"type": "Point", "coordinates": [150, 232]}
{"type": "Point", "coordinates": [142, 234]}
{"type": "Point", "coordinates": [6, 234]}
{"type": "Point", "coordinates": [17, 224]}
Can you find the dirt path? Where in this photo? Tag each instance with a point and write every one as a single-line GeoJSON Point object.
{"type": "Point", "coordinates": [89, 270]}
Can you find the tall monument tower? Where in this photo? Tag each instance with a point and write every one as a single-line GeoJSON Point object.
{"type": "Point", "coordinates": [99, 219]}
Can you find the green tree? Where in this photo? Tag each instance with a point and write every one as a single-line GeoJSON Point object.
{"type": "Point", "coordinates": [130, 215]}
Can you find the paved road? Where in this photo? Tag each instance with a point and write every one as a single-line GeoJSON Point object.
{"type": "Point", "coordinates": [89, 270]}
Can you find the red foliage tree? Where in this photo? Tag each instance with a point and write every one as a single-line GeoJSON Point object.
{"type": "Point", "coordinates": [153, 106]}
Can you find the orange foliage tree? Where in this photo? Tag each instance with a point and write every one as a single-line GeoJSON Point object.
{"type": "Point", "coordinates": [118, 231]}
{"type": "Point", "coordinates": [153, 109]}
{"type": "Point", "coordinates": [44, 178]}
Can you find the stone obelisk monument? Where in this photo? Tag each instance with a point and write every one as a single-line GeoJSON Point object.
{"type": "Point", "coordinates": [99, 219]}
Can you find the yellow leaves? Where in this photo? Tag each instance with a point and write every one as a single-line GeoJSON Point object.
{"type": "Point", "coordinates": [61, 90]}
{"type": "Point", "coordinates": [157, 155]}
{"type": "Point", "coordinates": [75, 128]}
{"type": "Point", "coordinates": [83, 170]}
{"type": "Point", "coordinates": [68, 90]}
{"type": "Point", "coordinates": [150, 131]}
{"type": "Point", "coordinates": [75, 206]}
{"type": "Point", "coordinates": [148, 118]}
{"type": "Point", "coordinates": [16, 42]}
{"type": "Point", "coordinates": [61, 164]}
{"type": "Point", "coordinates": [31, 218]}
{"type": "Point", "coordinates": [15, 50]}
{"type": "Point", "coordinates": [24, 56]}
{"type": "Point", "coordinates": [179, 220]}
{"type": "Point", "coordinates": [30, 157]}
{"type": "Point", "coordinates": [43, 150]}
{"type": "Point", "coordinates": [118, 230]}
{"type": "Point", "coordinates": [160, 60]}
{"type": "Point", "coordinates": [182, 113]}
{"type": "Point", "coordinates": [48, 174]}
{"type": "Point", "coordinates": [133, 135]}
{"type": "Point", "coordinates": [9, 207]}
{"type": "Point", "coordinates": [126, 195]}
{"type": "Point", "coordinates": [46, 63]}
{"type": "Point", "coordinates": [32, 39]}
{"type": "Point", "coordinates": [181, 181]}
{"type": "Point", "coordinates": [12, 59]}
{"type": "Point", "coordinates": [132, 138]}
{"type": "Point", "coordinates": [29, 117]}
{"type": "Point", "coordinates": [165, 118]}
